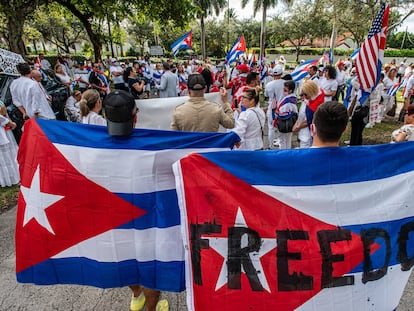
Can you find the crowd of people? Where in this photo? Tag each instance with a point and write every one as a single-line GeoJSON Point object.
{"type": "Point", "coordinates": [316, 108]}
{"type": "Point", "coordinates": [339, 82]}
{"type": "Point", "coordinates": [257, 93]}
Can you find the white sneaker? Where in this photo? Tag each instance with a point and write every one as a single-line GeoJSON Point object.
{"type": "Point", "coordinates": [369, 125]}
{"type": "Point", "coordinates": [276, 143]}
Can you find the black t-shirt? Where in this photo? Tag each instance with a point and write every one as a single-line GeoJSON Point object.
{"type": "Point", "coordinates": [94, 79]}
{"type": "Point", "coordinates": [132, 90]}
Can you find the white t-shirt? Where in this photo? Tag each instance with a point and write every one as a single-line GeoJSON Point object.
{"type": "Point", "coordinates": [249, 127]}
{"type": "Point", "coordinates": [274, 91]}
{"type": "Point", "coordinates": [304, 134]}
{"type": "Point", "coordinates": [45, 64]}
{"type": "Point", "coordinates": [409, 86]}
{"type": "Point", "coordinates": [328, 85]}
{"type": "Point", "coordinates": [94, 118]}
{"type": "Point", "coordinates": [340, 77]}
{"type": "Point", "coordinates": [63, 77]}
{"type": "Point", "coordinates": [117, 79]}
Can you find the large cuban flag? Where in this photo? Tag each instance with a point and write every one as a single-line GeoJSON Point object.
{"type": "Point", "coordinates": [310, 229]}
{"type": "Point", "coordinates": [302, 71]}
{"type": "Point", "coordinates": [100, 210]}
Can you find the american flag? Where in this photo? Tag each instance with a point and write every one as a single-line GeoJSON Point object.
{"type": "Point", "coordinates": [371, 54]}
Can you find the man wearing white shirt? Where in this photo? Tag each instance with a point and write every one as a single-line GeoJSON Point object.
{"type": "Point", "coordinates": [28, 97]}
{"type": "Point", "coordinates": [44, 62]}
{"type": "Point", "coordinates": [274, 91]}
{"type": "Point", "coordinates": [117, 75]}
{"type": "Point", "coordinates": [341, 79]}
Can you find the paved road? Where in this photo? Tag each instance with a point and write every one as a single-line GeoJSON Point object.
{"type": "Point", "coordinates": [16, 296]}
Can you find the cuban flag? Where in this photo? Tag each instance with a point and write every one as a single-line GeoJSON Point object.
{"type": "Point", "coordinates": [182, 43]}
{"type": "Point", "coordinates": [238, 48]}
{"type": "Point", "coordinates": [392, 91]}
{"type": "Point", "coordinates": [368, 62]}
{"type": "Point", "coordinates": [99, 210]}
{"type": "Point", "coordinates": [354, 55]}
{"type": "Point", "coordinates": [262, 68]}
{"type": "Point", "coordinates": [252, 60]}
{"type": "Point", "coordinates": [302, 71]}
{"type": "Point", "coordinates": [331, 57]}
{"type": "Point", "coordinates": [262, 233]}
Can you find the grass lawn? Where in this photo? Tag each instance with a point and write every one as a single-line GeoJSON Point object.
{"type": "Point", "coordinates": [8, 197]}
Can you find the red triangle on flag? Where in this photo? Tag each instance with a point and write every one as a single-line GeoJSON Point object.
{"type": "Point", "coordinates": [82, 208]}
{"type": "Point", "coordinates": [216, 198]}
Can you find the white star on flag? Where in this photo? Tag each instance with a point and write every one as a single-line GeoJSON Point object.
{"type": "Point", "coordinates": [220, 245]}
{"type": "Point", "coordinates": [37, 202]}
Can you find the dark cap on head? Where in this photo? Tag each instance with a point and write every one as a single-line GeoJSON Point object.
{"type": "Point", "coordinates": [120, 111]}
{"type": "Point", "coordinates": [196, 82]}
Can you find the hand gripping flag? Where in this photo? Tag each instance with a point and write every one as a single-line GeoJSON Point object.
{"type": "Point", "coordinates": [184, 42]}
{"type": "Point", "coordinates": [302, 71]}
{"type": "Point", "coordinates": [262, 233]}
{"type": "Point", "coordinates": [99, 210]}
{"type": "Point", "coordinates": [371, 53]}
{"type": "Point", "coordinates": [239, 47]}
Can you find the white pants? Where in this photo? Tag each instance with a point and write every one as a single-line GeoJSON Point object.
{"type": "Point", "coordinates": [285, 140]}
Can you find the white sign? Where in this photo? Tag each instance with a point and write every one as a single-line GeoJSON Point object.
{"type": "Point", "coordinates": [156, 50]}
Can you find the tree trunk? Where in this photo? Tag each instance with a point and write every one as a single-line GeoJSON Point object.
{"type": "Point", "coordinates": [15, 26]}
{"type": "Point", "coordinates": [297, 54]}
{"type": "Point", "coordinates": [203, 38]}
{"type": "Point", "coordinates": [35, 47]}
{"type": "Point", "coordinates": [110, 36]}
{"type": "Point", "coordinates": [84, 19]}
{"type": "Point", "coordinates": [263, 31]}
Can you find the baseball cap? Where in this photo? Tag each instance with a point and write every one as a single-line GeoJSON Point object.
{"type": "Point", "coordinates": [196, 82]}
{"type": "Point", "coordinates": [120, 111]}
{"type": "Point", "coordinates": [278, 70]}
{"type": "Point", "coordinates": [243, 68]}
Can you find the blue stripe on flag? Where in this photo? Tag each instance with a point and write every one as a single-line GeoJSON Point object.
{"type": "Point", "coordinates": [68, 133]}
{"type": "Point", "coordinates": [162, 208]}
{"type": "Point", "coordinates": [103, 274]}
{"type": "Point", "coordinates": [392, 228]}
{"type": "Point", "coordinates": [315, 162]}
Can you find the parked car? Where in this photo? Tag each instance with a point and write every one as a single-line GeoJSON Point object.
{"type": "Point", "coordinates": [53, 87]}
